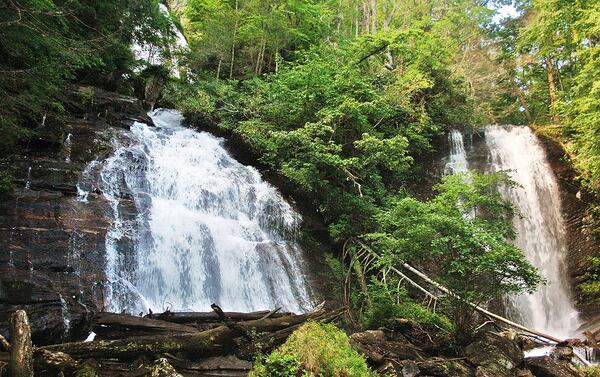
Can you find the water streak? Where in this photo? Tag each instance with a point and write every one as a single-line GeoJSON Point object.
{"type": "Point", "coordinates": [457, 160]}
{"type": "Point", "coordinates": [67, 146]}
{"type": "Point", "coordinates": [541, 230]}
{"type": "Point", "coordinates": [204, 229]}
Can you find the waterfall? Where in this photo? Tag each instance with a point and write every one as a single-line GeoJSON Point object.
{"type": "Point", "coordinates": [205, 228]}
{"type": "Point", "coordinates": [457, 159]}
{"type": "Point", "coordinates": [541, 230]}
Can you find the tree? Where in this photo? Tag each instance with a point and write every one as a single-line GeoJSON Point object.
{"type": "Point", "coordinates": [462, 236]}
{"type": "Point", "coordinates": [45, 45]}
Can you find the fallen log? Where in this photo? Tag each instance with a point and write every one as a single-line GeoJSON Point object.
{"type": "Point", "coordinates": [211, 317]}
{"type": "Point", "coordinates": [214, 342]}
{"type": "Point", "coordinates": [108, 326]}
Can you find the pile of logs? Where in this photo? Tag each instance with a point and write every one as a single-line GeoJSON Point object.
{"type": "Point", "coordinates": [189, 343]}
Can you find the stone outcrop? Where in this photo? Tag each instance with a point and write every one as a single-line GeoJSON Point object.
{"type": "Point", "coordinates": [494, 355]}
{"type": "Point", "coordinates": [52, 242]}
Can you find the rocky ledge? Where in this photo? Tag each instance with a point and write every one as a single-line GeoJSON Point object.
{"type": "Point", "coordinates": [408, 349]}
{"type": "Point", "coordinates": [51, 240]}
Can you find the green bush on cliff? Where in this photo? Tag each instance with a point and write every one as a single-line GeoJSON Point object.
{"type": "Point", "coordinates": [591, 286]}
{"type": "Point", "coordinates": [314, 350]}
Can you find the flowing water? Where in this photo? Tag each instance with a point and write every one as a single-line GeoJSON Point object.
{"type": "Point", "coordinates": [541, 230]}
{"type": "Point", "coordinates": [197, 227]}
{"type": "Point", "coordinates": [457, 159]}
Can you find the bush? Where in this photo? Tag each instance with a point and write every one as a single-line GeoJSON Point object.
{"type": "Point", "coordinates": [314, 350]}
{"type": "Point", "coordinates": [386, 306]}
{"type": "Point", "coordinates": [591, 286]}
{"type": "Point", "coordinates": [6, 183]}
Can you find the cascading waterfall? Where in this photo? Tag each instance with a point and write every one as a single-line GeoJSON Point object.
{"type": "Point", "coordinates": [207, 228]}
{"type": "Point", "coordinates": [541, 230]}
{"type": "Point", "coordinates": [457, 159]}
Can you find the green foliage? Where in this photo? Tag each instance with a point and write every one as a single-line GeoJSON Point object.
{"type": "Point", "coordinates": [592, 372]}
{"type": "Point", "coordinates": [461, 235]}
{"type": "Point", "coordinates": [6, 183]}
{"type": "Point", "coordinates": [239, 38]}
{"type": "Point", "coordinates": [46, 44]}
{"type": "Point", "coordinates": [314, 350]}
{"type": "Point", "coordinates": [557, 46]}
{"type": "Point", "coordinates": [591, 286]}
{"type": "Point", "coordinates": [387, 303]}
{"type": "Point", "coordinates": [277, 364]}
{"type": "Point", "coordinates": [344, 137]}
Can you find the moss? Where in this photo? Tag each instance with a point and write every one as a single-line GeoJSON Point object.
{"type": "Point", "coordinates": [86, 370]}
{"type": "Point", "coordinates": [592, 372]}
{"type": "Point", "coordinates": [314, 350]}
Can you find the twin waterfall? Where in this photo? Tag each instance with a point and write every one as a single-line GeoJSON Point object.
{"type": "Point", "coordinates": [202, 228]}
{"type": "Point", "coordinates": [541, 229]}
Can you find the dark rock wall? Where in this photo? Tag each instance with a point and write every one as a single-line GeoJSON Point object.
{"type": "Point", "coordinates": [52, 258]}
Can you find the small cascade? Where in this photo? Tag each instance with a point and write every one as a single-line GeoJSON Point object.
{"type": "Point", "coordinates": [67, 146]}
{"type": "Point", "coordinates": [28, 181]}
{"type": "Point", "coordinates": [541, 230]}
{"type": "Point", "coordinates": [457, 159]}
{"type": "Point", "coordinates": [87, 181]}
{"type": "Point", "coordinates": [206, 229]}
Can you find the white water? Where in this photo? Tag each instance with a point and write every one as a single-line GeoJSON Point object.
{"type": "Point", "coordinates": [541, 231]}
{"type": "Point", "coordinates": [457, 160]}
{"type": "Point", "coordinates": [208, 229]}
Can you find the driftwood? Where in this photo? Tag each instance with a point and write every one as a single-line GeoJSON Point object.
{"type": "Point", "coordinates": [21, 349]}
{"type": "Point", "coordinates": [108, 326]}
{"type": "Point", "coordinates": [222, 340]}
{"type": "Point", "coordinates": [208, 317]}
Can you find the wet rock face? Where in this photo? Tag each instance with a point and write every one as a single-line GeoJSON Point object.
{"type": "Point", "coordinates": [51, 242]}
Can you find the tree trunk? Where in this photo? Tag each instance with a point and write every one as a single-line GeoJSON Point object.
{"type": "Point", "coordinates": [21, 350]}
{"type": "Point", "coordinates": [206, 317]}
{"type": "Point", "coordinates": [523, 103]}
{"type": "Point", "coordinates": [373, 6]}
{"type": "Point", "coordinates": [366, 17]}
{"type": "Point", "coordinates": [233, 42]}
{"type": "Point", "coordinates": [119, 326]}
{"type": "Point", "coordinates": [213, 342]}
{"type": "Point", "coordinates": [552, 89]}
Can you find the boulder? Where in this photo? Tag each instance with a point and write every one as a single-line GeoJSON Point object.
{"type": "Point", "coordinates": [563, 353]}
{"type": "Point", "coordinates": [494, 355]}
{"type": "Point", "coordinates": [546, 366]}
{"type": "Point", "coordinates": [379, 346]}
{"type": "Point", "coordinates": [440, 367]}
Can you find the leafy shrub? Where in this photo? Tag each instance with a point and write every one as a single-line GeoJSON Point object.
{"type": "Point", "coordinates": [314, 350]}
{"type": "Point", "coordinates": [591, 287]}
{"type": "Point", "coordinates": [592, 372]}
{"type": "Point", "coordinates": [386, 305]}
{"type": "Point", "coordinates": [6, 183]}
